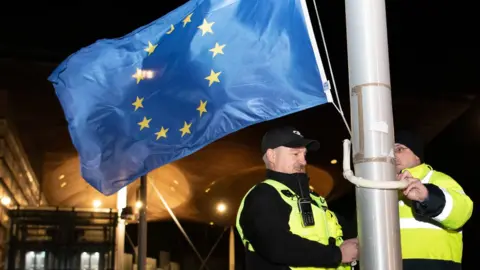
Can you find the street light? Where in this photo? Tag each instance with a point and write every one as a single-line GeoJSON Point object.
{"type": "Point", "coordinates": [221, 208]}
{"type": "Point", "coordinates": [6, 201]}
{"type": "Point", "coordinates": [97, 203]}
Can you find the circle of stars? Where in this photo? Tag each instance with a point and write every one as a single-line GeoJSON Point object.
{"type": "Point", "coordinates": [213, 77]}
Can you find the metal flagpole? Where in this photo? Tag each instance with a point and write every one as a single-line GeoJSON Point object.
{"type": "Point", "coordinates": [373, 133]}
{"type": "Point", "coordinates": [142, 226]}
{"type": "Point", "coordinates": [120, 235]}
{"type": "Point", "coordinates": [232, 249]}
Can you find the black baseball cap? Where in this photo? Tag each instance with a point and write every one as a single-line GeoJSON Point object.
{"type": "Point", "coordinates": [287, 137]}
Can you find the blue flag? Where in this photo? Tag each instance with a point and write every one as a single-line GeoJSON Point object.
{"type": "Point", "coordinates": [204, 70]}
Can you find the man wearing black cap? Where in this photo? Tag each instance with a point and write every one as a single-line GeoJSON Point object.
{"type": "Point", "coordinates": [433, 208]}
{"type": "Point", "coordinates": [281, 223]}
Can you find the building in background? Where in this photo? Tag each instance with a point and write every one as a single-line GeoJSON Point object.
{"type": "Point", "coordinates": [44, 238]}
{"type": "Point", "coordinates": [19, 186]}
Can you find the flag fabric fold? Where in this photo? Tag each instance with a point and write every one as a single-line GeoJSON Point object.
{"type": "Point", "coordinates": [203, 71]}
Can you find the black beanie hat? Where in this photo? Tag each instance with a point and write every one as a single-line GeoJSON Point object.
{"type": "Point", "coordinates": [412, 141]}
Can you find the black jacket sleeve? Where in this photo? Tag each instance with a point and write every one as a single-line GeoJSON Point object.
{"type": "Point", "coordinates": [264, 221]}
{"type": "Point", "coordinates": [433, 206]}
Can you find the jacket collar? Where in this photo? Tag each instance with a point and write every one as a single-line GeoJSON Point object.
{"type": "Point", "coordinates": [297, 182]}
{"type": "Point", "coordinates": [419, 171]}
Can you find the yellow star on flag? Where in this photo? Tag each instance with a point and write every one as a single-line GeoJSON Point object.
{"type": "Point", "coordinates": [151, 48]}
{"type": "Point", "coordinates": [202, 108]}
{"type": "Point", "coordinates": [139, 75]}
{"type": "Point", "coordinates": [185, 129]}
{"type": "Point", "coordinates": [218, 49]}
{"type": "Point", "coordinates": [187, 19]}
{"type": "Point", "coordinates": [171, 29]}
{"type": "Point", "coordinates": [145, 123]}
{"type": "Point", "coordinates": [162, 133]}
{"type": "Point", "coordinates": [213, 77]}
{"type": "Point", "coordinates": [206, 27]}
{"type": "Point", "coordinates": [138, 103]}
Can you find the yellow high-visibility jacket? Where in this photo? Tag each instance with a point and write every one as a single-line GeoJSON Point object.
{"type": "Point", "coordinates": [325, 229]}
{"type": "Point", "coordinates": [431, 233]}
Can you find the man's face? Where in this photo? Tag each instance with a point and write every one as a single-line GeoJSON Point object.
{"type": "Point", "coordinates": [405, 158]}
{"type": "Point", "coordinates": [289, 160]}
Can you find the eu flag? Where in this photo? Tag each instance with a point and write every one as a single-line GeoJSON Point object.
{"type": "Point", "coordinates": [204, 70]}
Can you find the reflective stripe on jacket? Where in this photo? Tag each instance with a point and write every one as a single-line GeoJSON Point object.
{"type": "Point", "coordinates": [438, 236]}
{"type": "Point", "coordinates": [326, 223]}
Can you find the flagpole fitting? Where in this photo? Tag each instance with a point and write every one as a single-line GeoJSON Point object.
{"type": "Point", "coordinates": [366, 183]}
